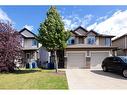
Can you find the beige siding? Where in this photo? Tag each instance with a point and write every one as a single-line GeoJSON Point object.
{"type": "Point", "coordinates": [76, 40]}
{"type": "Point", "coordinates": [28, 43]}
{"type": "Point", "coordinates": [79, 40]}
{"type": "Point", "coordinates": [97, 40]}
{"type": "Point", "coordinates": [102, 41]}
{"type": "Point", "coordinates": [119, 43]}
{"type": "Point", "coordinates": [91, 34]}
{"type": "Point", "coordinates": [121, 53]}
{"type": "Point", "coordinates": [80, 31]}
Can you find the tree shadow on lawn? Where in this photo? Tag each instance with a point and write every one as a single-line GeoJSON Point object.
{"type": "Point", "coordinates": [111, 74]}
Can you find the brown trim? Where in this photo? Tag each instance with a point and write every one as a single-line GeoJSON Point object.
{"type": "Point", "coordinates": [74, 33]}
{"type": "Point", "coordinates": [80, 27]}
{"type": "Point", "coordinates": [30, 37]}
{"type": "Point", "coordinates": [92, 32]}
{"type": "Point", "coordinates": [90, 47]}
{"type": "Point", "coordinates": [99, 35]}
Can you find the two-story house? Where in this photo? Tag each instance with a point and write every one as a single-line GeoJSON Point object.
{"type": "Point", "coordinates": [87, 49]}
{"type": "Point", "coordinates": [32, 50]}
{"type": "Point", "coordinates": [121, 43]}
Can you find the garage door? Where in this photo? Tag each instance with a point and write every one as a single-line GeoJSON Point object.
{"type": "Point", "coordinates": [76, 60]}
{"type": "Point", "coordinates": [97, 58]}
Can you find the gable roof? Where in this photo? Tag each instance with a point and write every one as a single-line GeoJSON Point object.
{"type": "Point", "coordinates": [87, 32]}
{"type": "Point", "coordinates": [80, 27]}
{"type": "Point", "coordinates": [28, 31]}
{"type": "Point", "coordinates": [101, 35]}
{"type": "Point", "coordinates": [78, 34]}
{"type": "Point", "coordinates": [92, 32]}
{"type": "Point", "coordinates": [120, 37]}
{"type": "Point", "coordinates": [73, 32]}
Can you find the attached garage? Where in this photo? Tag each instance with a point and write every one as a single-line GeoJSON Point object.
{"type": "Point", "coordinates": [97, 58]}
{"type": "Point", "coordinates": [76, 60]}
{"type": "Point", "coordinates": [86, 57]}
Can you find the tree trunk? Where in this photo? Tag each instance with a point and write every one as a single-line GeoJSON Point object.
{"type": "Point", "coordinates": [56, 61]}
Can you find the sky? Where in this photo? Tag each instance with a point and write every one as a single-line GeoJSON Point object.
{"type": "Point", "coordinates": [103, 19]}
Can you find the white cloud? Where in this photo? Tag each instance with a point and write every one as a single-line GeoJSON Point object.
{"type": "Point", "coordinates": [88, 17]}
{"type": "Point", "coordinates": [29, 27]}
{"type": "Point", "coordinates": [74, 21]}
{"type": "Point", "coordinates": [114, 25]}
{"type": "Point", "coordinates": [102, 18]}
{"type": "Point", "coordinates": [4, 17]}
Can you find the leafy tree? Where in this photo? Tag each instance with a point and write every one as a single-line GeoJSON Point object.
{"type": "Point", "coordinates": [10, 47]}
{"type": "Point", "coordinates": [52, 34]}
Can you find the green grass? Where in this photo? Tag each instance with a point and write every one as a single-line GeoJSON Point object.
{"type": "Point", "coordinates": [34, 79]}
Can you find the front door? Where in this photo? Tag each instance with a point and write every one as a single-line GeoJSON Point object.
{"type": "Point", "coordinates": [28, 57]}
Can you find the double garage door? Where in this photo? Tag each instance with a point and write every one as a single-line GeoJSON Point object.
{"type": "Point", "coordinates": [78, 60]}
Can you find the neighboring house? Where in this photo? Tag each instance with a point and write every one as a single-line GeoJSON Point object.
{"type": "Point", "coordinates": [31, 49]}
{"type": "Point", "coordinates": [121, 43]}
{"type": "Point", "coordinates": [87, 49]}
{"type": "Point", "coordinates": [44, 56]}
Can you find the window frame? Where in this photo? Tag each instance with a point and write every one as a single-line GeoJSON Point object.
{"type": "Point", "coordinates": [90, 37]}
{"type": "Point", "coordinates": [69, 42]}
{"type": "Point", "coordinates": [33, 42]}
{"type": "Point", "coordinates": [106, 41]}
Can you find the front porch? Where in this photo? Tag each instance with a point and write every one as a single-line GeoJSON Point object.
{"type": "Point", "coordinates": [29, 56]}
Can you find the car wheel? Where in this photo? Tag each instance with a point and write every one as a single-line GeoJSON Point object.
{"type": "Point", "coordinates": [105, 69]}
{"type": "Point", "coordinates": [124, 73]}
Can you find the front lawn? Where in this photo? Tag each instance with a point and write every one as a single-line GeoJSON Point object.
{"type": "Point", "coordinates": [34, 79]}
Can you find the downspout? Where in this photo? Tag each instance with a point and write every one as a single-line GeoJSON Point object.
{"type": "Point", "coordinates": [125, 44]}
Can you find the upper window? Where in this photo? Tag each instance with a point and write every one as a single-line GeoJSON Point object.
{"type": "Point", "coordinates": [91, 40]}
{"type": "Point", "coordinates": [107, 41]}
{"type": "Point", "coordinates": [71, 41]}
{"type": "Point", "coordinates": [34, 42]}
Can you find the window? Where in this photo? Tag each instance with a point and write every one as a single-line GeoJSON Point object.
{"type": "Point", "coordinates": [107, 41]}
{"type": "Point", "coordinates": [71, 41]}
{"type": "Point", "coordinates": [34, 42]}
{"type": "Point", "coordinates": [91, 40]}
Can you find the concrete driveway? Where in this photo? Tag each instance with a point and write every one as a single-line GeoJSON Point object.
{"type": "Point", "coordinates": [94, 79]}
